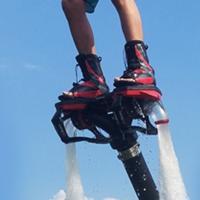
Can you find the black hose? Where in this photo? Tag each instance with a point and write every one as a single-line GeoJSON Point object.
{"type": "Point", "coordinates": [141, 178]}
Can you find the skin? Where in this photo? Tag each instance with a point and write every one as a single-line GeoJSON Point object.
{"type": "Point", "coordinates": [82, 32]}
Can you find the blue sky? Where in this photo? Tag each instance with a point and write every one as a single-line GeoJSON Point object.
{"type": "Point", "coordinates": [37, 63]}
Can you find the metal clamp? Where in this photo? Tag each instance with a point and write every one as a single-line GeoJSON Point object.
{"type": "Point", "coordinates": [129, 153]}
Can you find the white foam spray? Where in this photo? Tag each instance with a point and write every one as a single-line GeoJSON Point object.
{"type": "Point", "coordinates": [74, 190]}
{"type": "Point", "coordinates": [171, 183]}
{"type": "Point", "coordinates": [74, 186]}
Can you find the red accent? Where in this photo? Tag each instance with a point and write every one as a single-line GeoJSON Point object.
{"type": "Point", "coordinates": [164, 121]}
{"type": "Point", "coordinates": [147, 94]}
{"type": "Point", "coordinates": [73, 106]}
{"type": "Point", "coordinates": [146, 80]}
{"type": "Point", "coordinates": [141, 57]}
{"type": "Point", "coordinates": [88, 94]}
{"type": "Point", "coordinates": [89, 68]}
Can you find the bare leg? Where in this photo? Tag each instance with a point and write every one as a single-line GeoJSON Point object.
{"type": "Point", "coordinates": [80, 28]}
{"type": "Point", "coordinates": [130, 19]}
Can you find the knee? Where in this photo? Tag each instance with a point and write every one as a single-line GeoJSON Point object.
{"type": "Point", "coordinates": [120, 4]}
{"type": "Point", "coordinates": [70, 5]}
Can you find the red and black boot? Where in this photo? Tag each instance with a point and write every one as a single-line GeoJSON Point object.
{"type": "Point", "coordinates": [138, 78]}
{"type": "Point", "coordinates": [93, 85]}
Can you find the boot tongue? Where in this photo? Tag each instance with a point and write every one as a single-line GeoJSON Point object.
{"type": "Point", "coordinates": [134, 50]}
{"type": "Point", "coordinates": [81, 59]}
{"type": "Point", "coordinates": [88, 63]}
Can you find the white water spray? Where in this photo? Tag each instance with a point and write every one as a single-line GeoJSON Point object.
{"type": "Point", "coordinates": [74, 186]}
{"type": "Point", "coordinates": [171, 183]}
{"type": "Point", "coordinates": [74, 189]}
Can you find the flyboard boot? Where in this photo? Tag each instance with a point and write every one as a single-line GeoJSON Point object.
{"type": "Point", "coordinates": [138, 79]}
{"type": "Point", "coordinates": [92, 87]}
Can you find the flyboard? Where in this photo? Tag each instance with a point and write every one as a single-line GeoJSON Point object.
{"type": "Point", "coordinates": [115, 114]}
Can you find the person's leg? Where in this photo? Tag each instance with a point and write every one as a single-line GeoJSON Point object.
{"type": "Point", "coordinates": [130, 19]}
{"type": "Point", "coordinates": [138, 70]}
{"type": "Point", "coordinates": [79, 26]}
{"type": "Point", "coordinates": [94, 82]}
